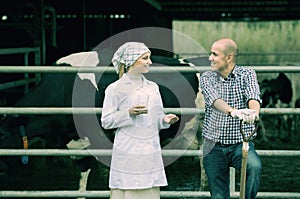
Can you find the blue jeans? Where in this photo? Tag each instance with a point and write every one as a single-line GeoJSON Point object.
{"type": "Point", "coordinates": [217, 161]}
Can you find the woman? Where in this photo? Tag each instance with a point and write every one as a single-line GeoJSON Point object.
{"type": "Point", "coordinates": [133, 105]}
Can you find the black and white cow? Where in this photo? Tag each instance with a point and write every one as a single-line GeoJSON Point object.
{"type": "Point", "coordinates": [278, 92]}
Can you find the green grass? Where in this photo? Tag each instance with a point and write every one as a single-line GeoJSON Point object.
{"type": "Point", "coordinates": [259, 37]}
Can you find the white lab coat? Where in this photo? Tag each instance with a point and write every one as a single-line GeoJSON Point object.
{"type": "Point", "coordinates": [136, 158]}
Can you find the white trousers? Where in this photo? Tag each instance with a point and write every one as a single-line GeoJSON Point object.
{"type": "Point", "coordinates": [152, 193]}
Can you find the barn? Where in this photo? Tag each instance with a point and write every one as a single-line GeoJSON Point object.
{"type": "Point", "coordinates": [179, 32]}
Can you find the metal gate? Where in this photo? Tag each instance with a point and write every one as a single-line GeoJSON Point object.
{"type": "Point", "coordinates": [105, 194]}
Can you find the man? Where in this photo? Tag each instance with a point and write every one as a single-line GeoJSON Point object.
{"type": "Point", "coordinates": [231, 94]}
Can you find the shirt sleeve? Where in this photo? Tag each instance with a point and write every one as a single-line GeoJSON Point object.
{"type": "Point", "coordinates": [209, 92]}
{"type": "Point", "coordinates": [111, 116]}
{"type": "Point", "coordinates": [158, 105]}
{"type": "Point", "coordinates": [252, 90]}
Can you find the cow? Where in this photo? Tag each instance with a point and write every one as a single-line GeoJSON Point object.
{"type": "Point", "coordinates": [57, 90]}
{"type": "Point", "coordinates": [276, 92]}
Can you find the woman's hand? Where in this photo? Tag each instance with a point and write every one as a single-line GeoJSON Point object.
{"type": "Point", "coordinates": [171, 118]}
{"type": "Point", "coordinates": [137, 110]}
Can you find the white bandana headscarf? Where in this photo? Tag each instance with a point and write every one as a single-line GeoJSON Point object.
{"type": "Point", "coordinates": [128, 53]}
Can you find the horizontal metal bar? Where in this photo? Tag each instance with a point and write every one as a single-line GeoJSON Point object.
{"type": "Point", "coordinates": [198, 194]}
{"type": "Point", "coordinates": [278, 153]}
{"type": "Point", "coordinates": [271, 53]}
{"type": "Point", "coordinates": [154, 69]}
{"type": "Point", "coordinates": [49, 110]}
{"type": "Point", "coordinates": [185, 111]}
{"type": "Point", "coordinates": [280, 111]}
{"type": "Point", "coordinates": [55, 152]}
{"type": "Point", "coordinates": [54, 194]}
{"type": "Point", "coordinates": [86, 69]}
{"type": "Point", "coordinates": [17, 83]}
{"type": "Point", "coordinates": [107, 152]}
{"type": "Point", "coordinates": [105, 194]}
{"type": "Point", "coordinates": [6, 51]}
{"type": "Point", "coordinates": [263, 111]}
{"type": "Point", "coordinates": [87, 110]}
{"type": "Point", "coordinates": [245, 54]}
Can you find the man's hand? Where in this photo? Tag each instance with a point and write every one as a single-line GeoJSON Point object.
{"type": "Point", "coordinates": [247, 115]}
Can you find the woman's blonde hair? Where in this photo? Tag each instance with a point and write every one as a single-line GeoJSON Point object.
{"type": "Point", "coordinates": [121, 70]}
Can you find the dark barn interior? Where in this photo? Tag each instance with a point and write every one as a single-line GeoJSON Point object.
{"type": "Point", "coordinates": [78, 25]}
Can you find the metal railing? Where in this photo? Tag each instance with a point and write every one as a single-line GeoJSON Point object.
{"type": "Point", "coordinates": [26, 81]}
{"type": "Point", "coordinates": [26, 51]}
{"type": "Point", "coordinates": [154, 69]}
{"type": "Point", "coordinates": [105, 194]}
{"type": "Point", "coordinates": [79, 110]}
{"type": "Point", "coordinates": [71, 110]}
{"type": "Point", "coordinates": [258, 58]}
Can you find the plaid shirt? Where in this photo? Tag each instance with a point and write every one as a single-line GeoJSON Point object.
{"type": "Point", "coordinates": [240, 86]}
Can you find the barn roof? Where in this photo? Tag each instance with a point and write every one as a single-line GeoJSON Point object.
{"type": "Point", "coordinates": [91, 21]}
{"type": "Point", "coordinates": [229, 10]}
{"type": "Point", "coordinates": [175, 9]}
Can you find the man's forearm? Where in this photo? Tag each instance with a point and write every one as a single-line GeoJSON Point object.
{"type": "Point", "coordinates": [254, 104]}
{"type": "Point", "coordinates": [222, 106]}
